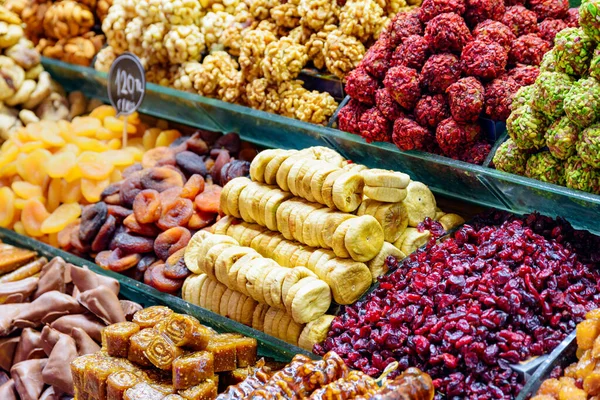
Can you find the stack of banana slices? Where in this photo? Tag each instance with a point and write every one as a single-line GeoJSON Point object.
{"type": "Point", "coordinates": [237, 282]}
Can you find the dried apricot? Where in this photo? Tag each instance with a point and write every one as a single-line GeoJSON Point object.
{"type": "Point", "coordinates": [106, 134]}
{"type": "Point", "coordinates": [54, 194]}
{"type": "Point", "coordinates": [105, 234]}
{"type": "Point", "coordinates": [133, 244]}
{"type": "Point", "coordinates": [71, 191]}
{"type": "Point", "coordinates": [196, 144]}
{"type": "Point", "coordinates": [103, 111]}
{"type": "Point", "coordinates": [170, 241]}
{"type": "Point", "coordinates": [88, 144]}
{"type": "Point", "coordinates": [167, 137]}
{"type": "Point", "coordinates": [175, 213]}
{"type": "Point", "coordinates": [137, 153]}
{"type": "Point", "coordinates": [8, 154]}
{"type": "Point", "coordinates": [26, 190]}
{"type": "Point", "coordinates": [176, 270]}
{"type": "Point", "coordinates": [193, 187]}
{"type": "Point", "coordinates": [86, 126]}
{"type": "Point", "coordinates": [158, 156]}
{"type": "Point", "coordinates": [92, 219]}
{"type": "Point", "coordinates": [60, 164]}
{"type": "Point", "coordinates": [61, 217]}
{"type": "Point", "coordinates": [147, 206]}
{"type": "Point", "coordinates": [93, 166]}
{"type": "Point", "coordinates": [31, 146]}
{"type": "Point", "coordinates": [149, 138]}
{"type": "Point", "coordinates": [33, 216]}
{"type": "Point", "coordinates": [116, 176]}
{"type": "Point", "coordinates": [161, 179]}
{"type": "Point", "coordinates": [19, 228]}
{"type": "Point", "coordinates": [64, 236]}
{"type": "Point", "coordinates": [92, 189]}
{"type": "Point", "coordinates": [170, 195]}
{"type": "Point", "coordinates": [7, 207]}
{"type": "Point", "coordinates": [201, 219]}
{"type": "Point", "coordinates": [115, 144]}
{"type": "Point", "coordinates": [117, 125]}
{"type": "Point", "coordinates": [120, 213]}
{"type": "Point", "coordinates": [134, 226]}
{"type": "Point", "coordinates": [31, 167]}
{"type": "Point", "coordinates": [209, 200]}
{"type": "Point", "coordinates": [159, 281]}
{"type": "Point", "coordinates": [118, 158]}
{"type": "Point", "coordinates": [130, 187]}
{"type": "Point", "coordinates": [116, 260]}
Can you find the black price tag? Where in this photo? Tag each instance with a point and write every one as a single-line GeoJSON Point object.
{"type": "Point", "coordinates": [126, 84]}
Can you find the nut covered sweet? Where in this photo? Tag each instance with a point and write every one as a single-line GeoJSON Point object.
{"type": "Point", "coordinates": [431, 110]}
{"type": "Point", "coordinates": [349, 116]}
{"type": "Point", "coordinates": [407, 24]}
{"type": "Point", "coordinates": [494, 31]}
{"type": "Point", "coordinates": [544, 167]}
{"type": "Point", "coordinates": [524, 75]}
{"type": "Point", "coordinates": [447, 32]}
{"type": "Point", "coordinates": [361, 86]}
{"type": "Point", "coordinates": [486, 60]}
{"type": "Point", "coordinates": [520, 20]}
{"type": "Point", "coordinates": [403, 85]}
{"type": "Point", "coordinates": [466, 98]}
{"type": "Point", "coordinates": [528, 49]}
{"type": "Point", "coordinates": [550, 27]}
{"type": "Point", "coordinates": [588, 18]}
{"type": "Point", "coordinates": [573, 50]}
{"type": "Point", "coordinates": [499, 97]}
{"type": "Point", "coordinates": [440, 71]}
{"type": "Point", "coordinates": [527, 127]}
{"type": "Point", "coordinates": [551, 90]}
{"type": "Point", "coordinates": [432, 8]}
{"type": "Point", "coordinates": [510, 158]}
{"type": "Point", "coordinates": [580, 175]}
{"type": "Point", "coordinates": [374, 126]}
{"type": "Point", "coordinates": [454, 137]}
{"type": "Point", "coordinates": [481, 10]}
{"type": "Point", "coordinates": [412, 53]}
{"type": "Point", "coordinates": [561, 138]}
{"type": "Point", "coordinates": [588, 146]}
{"type": "Point", "coordinates": [387, 105]}
{"type": "Point", "coordinates": [582, 102]}
{"type": "Point", "coordinates": [549, 9]}
{"type": "Point", "coordinates": [408, 135]}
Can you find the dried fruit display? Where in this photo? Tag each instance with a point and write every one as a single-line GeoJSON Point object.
{"type": "Point", "coordinates": [558, 111]}
{"type": "Point", "coordinates": [420, 58]}
{"type": "Point", "coordinates": [51, 313]}
{"type": "Point", "coordinates": [50, 169]}
{"type": "Point", "coordinates": [465, 325]}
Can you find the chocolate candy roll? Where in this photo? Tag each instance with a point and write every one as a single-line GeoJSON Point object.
{"type": "Point", "coordinates": [116, 338]}
{"type": "Point", "coordinates": [118, 382]}
{"type": "Point", "coordinates": [184, 330]}
{"type": "Point", "coordinates": [191, 369]}
{"type": "Point", "coordinates": [162, 352]}
{"type": "Point", "coordinates": [148, 317]}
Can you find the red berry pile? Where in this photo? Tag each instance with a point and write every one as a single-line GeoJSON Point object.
{"type": "Point", "coordinates": [496, 293]}
{"type": "Point", "coordinates": [434, 71]}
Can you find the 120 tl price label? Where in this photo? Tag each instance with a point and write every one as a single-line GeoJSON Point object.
{"type": "Point", "coordinates": [126, 84]}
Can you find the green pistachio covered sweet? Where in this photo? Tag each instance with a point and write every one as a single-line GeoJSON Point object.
{"type": "Point", "coordinates": [509, 158]}
{"type": "Point", "coordinates": [573, 50]}
{"type": "Point", "coordinates": [544, 167]}
{"type": "Point", "coordinates": [582, 103]}
{"type": "Point", "coordinates": [561, 138]}
{"type": "Point", "coordinates": [524, 96]}
{"type": "Point", "coordinates": [589, 18]}
{"type": "Point", "coordinates": [527, 127]}
{"type": "Point", "coordinates": [550, 91]}
{"type": "Point", "coordinates": [588, 146]}
{"type": "Point", "coordinates": [580, 175]}
{"type": "Point", "coordinates": [594, 69]}
{"type": "Point", "coordinates": [548, 62]}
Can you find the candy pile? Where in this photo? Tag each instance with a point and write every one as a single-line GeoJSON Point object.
{"type": "Point", "coordinates": [559, 113]}
{"type": "Point", "coordinates": [50, 313]}
{"type": "Point", "coordinates": [581, 378]}
{"type": "Point", "coordinates": [141, 224]}
{"type": "Point", "coordinates": [63, 29]}
{"type": "Point", "coordinates": [465, 309]}
{"type": "Point", "coordinates": [434, 71]}
{"type": "Point", "coordinates": [160, 353]}
{"type": "Point", "coordinates": [49, 168]}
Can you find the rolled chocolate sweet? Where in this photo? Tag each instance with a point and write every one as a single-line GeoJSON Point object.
{"type": "Point", "coordinates": [118, 382]}
{"type": "Point", "coordinates": [85, 280]}
{"type": "Point", "coordinates": [28, 378]}
{"type": "Point", "coordinates": [24, 271]}
{"type": "Point", "coordinates": [17, 292]}
{"type": "Point", "coordinates": [104, 303]}
{"type": "Point", "coordinates": [130, 308]}
{"type": "Point", "coordinates": [57, 371]}
{"type": "Point", "coordinates": [161, 352]}
{"type": "Point", "coordinates": [148, 317]}
{"type": "Point", "coordinates": [49, 339]}
{"type": "Point", "coordinates": [47, 308]}
{"type": "Point", "coordinates": [85, 344]}
{"type": "Point", "coordinates": [52, 277]}
{"type": "Point", "coordinates": [8, 391]}
{"type": "Point", "coordinates": [116, 338]}
{"type": "Point", "coordinates": [88, 322]}
{"type": "Point", "coordinates": [185, 330]}
{"type": "Point", "coordinates": [30, 346]}
{"type": "Point", "coordinates": [8, 346]}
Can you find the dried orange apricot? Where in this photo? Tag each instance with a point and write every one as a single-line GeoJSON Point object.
{"type": "Point", "coordinates": [33, 216]}
{"type": "Point", "coordinates": [7, 206]}
{"type": "Point", "coordinates": [54, 194]}
{"type": "Point", "coordinates": [87, 144]}
{"type": "Point", "coordinates": [92, 189]}
{"type": "Point", "coordinates": [73, 175]}
{"type": "Point", "coordinates": [93, 166]}
{"type": "Point", "coordinates": [61, 217]}
{"type": "Point", "coordinates": [117, 125]}
{"type": "Point", "coordinates": [118, 158]}
{"type": "Point", "coordinates": [106, 134]}
{"type": "Point", "coordinates": [149, 138]}
{"type": "Point", "coordinates": [165, 138]}
{"type": "Point", "coordinates": [158, 156]}
{"type": "Point", "coordinates": [53, 139]}
{"type": "Point", "coordinates": [103, 111]}
{"type": "Point", "coordinates": [114, 144]}
{"type": "Point", "coordinates": [8, 154]}
{"type": "Point", "coordinates": [31, 146]}
{"type": "Point", "coordinates": [147, 206]}
{"type": "Point", "coordinates": [60, 164]}
{"type": "Point", "coordinates": [71, 191]}
{"type": "Point", "coordinates": [175, 213]}
{"type": "Point", "coordinates": [19, 228]}
{"type": "Point", "coordinates": [137, 153]}
{"type": "Point", "coordinates": [133, 118]}
{"type": "Point", "coordinates": [31, 168]}
{"type": "Point", "coordinates": [193, 187]}
{"type": "Point", "coordinates": [209, 200]}
{"type": "Point", "coordinates": [9, 169]}
{"type": "Point", "coordinates": [69, 148]}
{"type": "Point", "coordinates": [53, 240]}
{"type": "Point", "coordinates": [86, 126]}
{"type": "Point", "coordinates": [116, 176]}
{"type": "Point", "coordinates": [26, 190]}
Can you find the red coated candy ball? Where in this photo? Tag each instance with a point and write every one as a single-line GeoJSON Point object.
{"type": "Point", "coordinates": [361, 86]}
{"type": "Point", "coordinates": [524, 75]}
{"type": "Point", "coordinates": [476, 154]}
{"type": "Point", "coordinates": [447, 32]}
{"type": "Point", "coordinates": [453, 137]}
{"type": "Point", "coordinates": [440, 71]}
{"type": "Point", "coordinates": [494, 31]}
{"type": "Point", "coordinates": [466, 99]}
{"type": "Point", "coordinates": [432, 8]}
{"type": "Point", "coordinates": [403, 85]}
{"type": "Point", "coordinates": [481, 10]}
{"type": "Point", "coordinates": [412, 53]}
{"type": "Point", "coordinates": [528, 49]}
{"type": "Point", "coordinates": [498, 97]}
{"type": "Point", "coordinates": [387, 105]}
{"type": "Point", "coordinates": [509, 3]}
{"type": "Point", "coordinates": [520, 20]}
{"type": "Point", "coordinates": [550, 27]}
{"type": "Point", "coordinates": [408, 135]}
{"type": "Point", "coordinates": [572, 18]}
{"type": "Point", "coordinates": [553, 9]}
{"type": "Point", "coordinates": [486, 60]}
{"type": "Point", "coordinates": [349, 116]}
{"type": "Point", "coordinates": [377, 59]}
{"type": "Point", "coordinates": [431, 110]}
{"type": "Point", "coordinates": [402, 26]}
{"type": "Point", "coordinates": [374, 127]}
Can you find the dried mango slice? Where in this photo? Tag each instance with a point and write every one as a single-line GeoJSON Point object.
{"type": "Point", "coordinates": [165, 138]}
{"type": "Point", "coordinates": [102, 112]}
{"type": "Point", "coordinates": [92, 189]}
{"type": "Point", "coordinates": [61, 217]}
{"type": "Point", "coordinates": [33, 215]}
{"type": "Point", "coordinates": [7, 206]}
{"type": "Point", "coordinates": [60, 164]}
{"type": "Point", "coordinates": [93, 166]}
{"type": "Point", "coordinates": [26, 190]}
{"type": "Point", "coordinates": [149, 138]}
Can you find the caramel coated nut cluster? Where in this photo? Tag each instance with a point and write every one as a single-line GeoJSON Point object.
{"type": "Point", "coordinates": [67, 19]}
{"type": "Point", "coordinates": [79, 50]}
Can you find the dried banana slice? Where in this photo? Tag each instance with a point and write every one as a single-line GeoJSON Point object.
{"type": "Point", "coordinates": [385, 178]}
{"type": "Point", "coordinates": [419, 202]}
{"type": "Point", "coordinates": [347, 191]}
{"type": "Point", "coordinates": [384, 194]}
{"type": "Point", "coordinates": [260, 162]}
{"type": "Point", "coordinates": [412, 239]}
{"type": "Point", "coordinates": [377, 265]}
{"type": "Point", "coordinates": [315, 332]}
